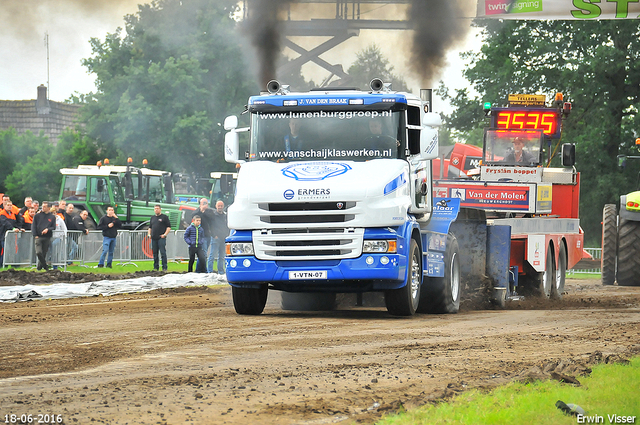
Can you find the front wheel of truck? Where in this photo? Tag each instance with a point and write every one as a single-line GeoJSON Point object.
{"type": "Point", "coordinates": [249, 300]}
{"type": "Point", "coordinates": [404, 301]}
{"type": "Point", "coordinates": [442, 294]}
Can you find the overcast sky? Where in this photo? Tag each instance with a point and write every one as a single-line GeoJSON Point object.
{"type": "Point", "coordinates": [71, 23]}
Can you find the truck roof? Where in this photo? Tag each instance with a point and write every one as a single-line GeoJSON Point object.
{"type": "Point", "coordinates": [330, 97]}
{"type": "Point", "coordinates": [105, 170]}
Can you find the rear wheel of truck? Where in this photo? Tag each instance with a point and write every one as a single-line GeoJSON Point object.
{"type": "Point", "coordinates": [442, 294]}
{"type": "Point", "coordinates": [540, 284]}
{"type": "Point", "coordinates": [629, 253]}
{"type": "Point", "coordinates": [561, 273]}
{"type": "Point", "coordinates": [308, 301]}
{"type": "Point", "coordinates": [609, 244]}
{"type": "Point", "coordinates": [404, 301]}
{"type": "Point", "coordinates": [249, 300]}
{"type": "Point", "coordinates": [546, 279]}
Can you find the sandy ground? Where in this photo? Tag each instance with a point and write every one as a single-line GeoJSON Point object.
{"type": "Point", "coordinates": [184, 356]}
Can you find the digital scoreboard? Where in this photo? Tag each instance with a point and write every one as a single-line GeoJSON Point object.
{"type": "Point", "coordinates": [522, 118]}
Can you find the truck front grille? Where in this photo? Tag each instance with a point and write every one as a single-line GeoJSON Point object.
{"type": "Point", "coordinates": [302, 213]}
{"type": "Point", "coordinates": [308, 244]}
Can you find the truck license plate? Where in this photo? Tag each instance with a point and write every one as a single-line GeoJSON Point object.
{"type": "Point", "coordinates": [317, 274]}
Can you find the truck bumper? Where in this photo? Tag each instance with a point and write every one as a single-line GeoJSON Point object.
{"type": "Point", "coordinates": [365, 273]}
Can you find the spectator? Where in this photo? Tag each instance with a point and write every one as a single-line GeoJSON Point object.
{"type": "Point", "coordinates": [5, 199]}
{"type": "Point", "coordinates": [8, 221]}
{"type": "Point", "coordinates": [27, 217]}
{"type": "Point", "coordinates": [220, 232]}
{"type": "Point", "coordinates": [159, 228]}
{"type": "Point", "coordinates": [61, 207]}
{"type": "Point", "coordinates": [59, 237]}
{"type": "Point", "coordinates": [193, 236]}
{"type": "Point", "coordinates": [28, 201]}
{"type": "Point", "coordinates": [79, 222]}
{"type": "Point", "coordinates": [72, 245]}
{"type": "Point", "coordinates": [109, 224]}
{"type": "Point", "coordinates": [44, 223]}
{"type": "Point", "coordinates": [206, 219]}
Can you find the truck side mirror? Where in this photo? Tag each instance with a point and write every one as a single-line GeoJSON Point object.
{"type": "Point", "coordinates": [168, 187]}
{"type": "Point", "coordinates": [429, 135]}
{"type": "Point", "coordinates": [568, 154]}
{"type": "Point", "coordinates": [231, 122]}
{"type": "Point", "coordinates": [225, 183]}
{"type": "Point", "coordinates": [622, 161]}
{"type": "Point", "coordinates": [232, 147]}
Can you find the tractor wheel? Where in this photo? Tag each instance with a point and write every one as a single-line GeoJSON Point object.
{"type": "Point", "coordinates": [629, 253]}
{"type": "Point", "coordinates": [404, 301]}
{"type": "Point", "coordinates": [561, 273]}
{"type": "Point", "coordinates": [609, 244]}
{"type": "Point", "coordinates": [249, 300]}
{"type": "Point", "coordinates": [442, 294]}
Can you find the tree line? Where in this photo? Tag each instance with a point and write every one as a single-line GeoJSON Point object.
{"type": "Point", "coordinates": [166, 81]}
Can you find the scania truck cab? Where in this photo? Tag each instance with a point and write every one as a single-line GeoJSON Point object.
{"type": "Point", "coordinates": [334, 195]}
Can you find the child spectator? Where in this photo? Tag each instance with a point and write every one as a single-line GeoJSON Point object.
{"type": "Point", "coordinates": [193, 236]}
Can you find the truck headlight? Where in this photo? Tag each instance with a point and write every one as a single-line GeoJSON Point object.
{"type": "Point", "coordinates": [239, 248]}
{"type": "Point", "coordinates": [380, 246]}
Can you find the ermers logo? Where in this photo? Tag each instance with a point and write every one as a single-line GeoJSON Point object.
{"type": "Point", "coordinates": [288, 194]}
{"type": "Point", "coordinates": [313, 192]}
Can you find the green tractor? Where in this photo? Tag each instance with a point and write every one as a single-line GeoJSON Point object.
{"type": "Point", "coordinates": [132, 192]}
{"type": "Point", "coordinates": [621, 238]}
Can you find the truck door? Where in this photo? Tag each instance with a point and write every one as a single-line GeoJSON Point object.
{"type": "Point", "coordinates": [420, 169]}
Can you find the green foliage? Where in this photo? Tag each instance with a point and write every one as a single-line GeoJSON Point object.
{"type": "Point", "coordinates": [31, 164]}
{"type": "Point", "coordinates": [610, 389]}
{"type": "Point", "coordinates": [596, 64]}
{"type": "Point", "coordinates": [370, 64]}
{"type": "Point", "coordinates": [164, 88]}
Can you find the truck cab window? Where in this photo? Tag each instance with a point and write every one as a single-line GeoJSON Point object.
{"type": "Point", "coordinates": [332, 135]}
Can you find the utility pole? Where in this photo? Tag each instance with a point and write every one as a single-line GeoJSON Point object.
{"type": "Point", "coordinates": [46, 43]}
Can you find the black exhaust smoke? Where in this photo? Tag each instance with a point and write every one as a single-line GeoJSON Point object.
{"type": "Point", "coordinates": [439, 26]}
{"type": "Point", "coordinates": [264, 32]}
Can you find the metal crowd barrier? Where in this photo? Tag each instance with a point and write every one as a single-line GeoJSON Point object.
{"type": "Point", "coordinates": [77, 247]}
{"type": "Point", "coordinates": [596, 253]}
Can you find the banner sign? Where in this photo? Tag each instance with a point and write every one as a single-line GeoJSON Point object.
{"type": "Point", "coordinates": [515, 197]}
{"type": "Point", "coordinates": [559, 9]}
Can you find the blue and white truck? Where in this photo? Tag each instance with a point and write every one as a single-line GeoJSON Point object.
{"type": "Point", "coordinates": [334, 195]}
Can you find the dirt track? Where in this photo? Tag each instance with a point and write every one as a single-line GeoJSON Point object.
{"type": "Point", "coordinates": [179, 356]}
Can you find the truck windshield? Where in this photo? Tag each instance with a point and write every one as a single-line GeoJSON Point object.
{"type": "Point", "coordinates": [332, 135]}
{"type": "Point", "coordinates": [512, 147]}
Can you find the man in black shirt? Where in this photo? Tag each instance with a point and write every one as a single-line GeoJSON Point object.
{"type": "Point", "coordinates": [78, 222]}
{"type": "Point", "coordinates": [159, 228]}
{"type": "Point", "coordinates": [109, 224]}
{"type": "Point", "coordinates": [44, 223]}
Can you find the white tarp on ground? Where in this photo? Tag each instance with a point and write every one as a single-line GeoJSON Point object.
{"type": "Point", "coordinates": [558, 9]}
{"type": "Point", "coordinates": [105, 287]}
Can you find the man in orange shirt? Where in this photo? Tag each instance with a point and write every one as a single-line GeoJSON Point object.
{"type": "Point", "coordinates": [8, 221]}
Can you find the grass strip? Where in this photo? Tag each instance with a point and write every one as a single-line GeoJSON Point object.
{"type": "Point", "coordinates": [610, 389]}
